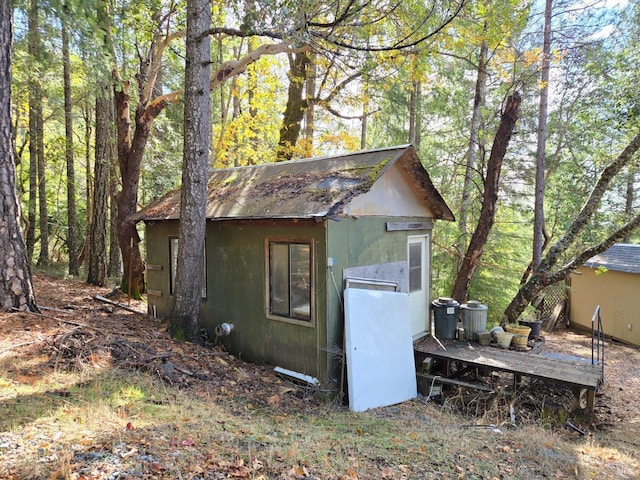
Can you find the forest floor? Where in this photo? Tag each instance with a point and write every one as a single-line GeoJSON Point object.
{"type": "Point", "coordinates": [93, 391]}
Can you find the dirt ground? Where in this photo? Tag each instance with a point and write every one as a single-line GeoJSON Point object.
{"type": "Point", "coordinates": [75, 330]}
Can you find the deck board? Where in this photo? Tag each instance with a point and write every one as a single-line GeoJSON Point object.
{"type": "Point", "coordinates": [574, 373]}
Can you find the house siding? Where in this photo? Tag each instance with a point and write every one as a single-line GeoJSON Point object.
{"type": "Point", "coordinates": [159, 300]}
{"type": "Point", "coordinates": [617, 295]}
{"type": "Point", "coordinates": [236, 291]}
{"type": "Point", "coordinates": [358, 242]}
{"type": "Point", "coordinates": [236, 285]}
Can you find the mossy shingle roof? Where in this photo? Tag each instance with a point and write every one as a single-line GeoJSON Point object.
{"type": "Point", "coordinates": [310, 188]}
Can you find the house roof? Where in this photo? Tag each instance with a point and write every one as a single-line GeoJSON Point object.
{"type": "Point", "coordinates": [621, 257]}
{"type": "Point", "coordinates": [310, 188]}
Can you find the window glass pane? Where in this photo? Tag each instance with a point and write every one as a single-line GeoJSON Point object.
{"type": "Point", "coordinates": [279, 278]}
{"type": "Point", "coordinates": [203, 294]}
{"type": "Point", "coordinates": [173, 262]}
{"type": "Point", "coordinates": [415, 267]}
{"type": "Point", "coordinates": [300, 281]}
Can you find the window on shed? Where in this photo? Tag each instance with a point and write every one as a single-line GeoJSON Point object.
{"type": "Point", "coordinates": [289, 279]}
{"type": "Point", "coordinates": [415, 267]}
{"type": "Point", "coordinates": [173, 263]}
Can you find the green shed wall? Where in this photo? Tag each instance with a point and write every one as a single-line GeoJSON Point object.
{"type": "Point", "coordinates": [237, 282]}
{"type": "Point", "coordinates": [355, 242]}
{"type": "Point", "coordinates": [157, 236]}
{"type": "Point", "coordinates": [236, 285]}
{"type": "Point", "coordinates": [236, 291]}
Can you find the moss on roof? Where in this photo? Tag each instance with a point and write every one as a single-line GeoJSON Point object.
{"type": "Point", "coordinates": [308, 188]}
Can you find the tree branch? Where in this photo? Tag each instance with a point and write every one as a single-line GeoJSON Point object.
{"type": "Point", "coordinates": [587, 253]}
{"type": "Point", "coordinates": [227, 70]}
{"type": "Point", "coordinates": [590, 206]}
{"type": "Point", "coordinates": [156, 63]}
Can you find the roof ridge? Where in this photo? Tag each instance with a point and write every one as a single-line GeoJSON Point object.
{"type": "Point", "coordinates": [315, 159]}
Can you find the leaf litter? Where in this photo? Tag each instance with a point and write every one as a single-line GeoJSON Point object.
{"type": "Point", "coordinates": [197, 412]}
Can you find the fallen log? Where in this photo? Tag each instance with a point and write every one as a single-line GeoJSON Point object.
{"type": "Point", "coordinates": [100, 298]}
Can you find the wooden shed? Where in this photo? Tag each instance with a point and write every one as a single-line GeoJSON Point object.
{"type": "Point", "coordinates": [282, 238]}
{"type": "Point", "coordinates": [611, 280]}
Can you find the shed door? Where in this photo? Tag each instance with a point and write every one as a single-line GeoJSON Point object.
{"type": "Point", "coordinates": [418, 265]}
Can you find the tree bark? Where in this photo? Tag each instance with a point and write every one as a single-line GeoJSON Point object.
{"type": "Point", "coordinates": [472, 149]}
{"type": "Point", "coordinates": [43, 210]}
{"type": "Point", "coordinates": [87, 116]}
{"type": "Point", "coordinates": [294, 111]}
{"type": "Point", "coordinates": [72, 218]}
{"type": "Point", "coordinates": [114, 266]}
{"type": "Point", "coordinates": [130, 153]}
{"type": "Point", "coordinates": [309, 113]}
{"type": "Point", "coordinates": [185, 313]}
{"type": "Point", "coordinates": [16, 290]}
{"type": "Point", "coordinates": [490, 199]}
{"type": "Point", "coordinates": [538, 208]}
{"type": "Point", "coordinates": [97, 271]}
{"type": "Point", "coordinates": [629, 196]}
{"type": "Point", "coordinates": [34, 95]}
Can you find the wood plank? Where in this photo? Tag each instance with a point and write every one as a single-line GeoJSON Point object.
{"type": "Point", "coordinates": [450, 381]}
{"type": "Point", "coordinates": [555, 316]}
{"type": "Point", "coordinates": [570, 373]}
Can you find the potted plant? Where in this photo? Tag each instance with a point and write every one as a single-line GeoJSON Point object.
{"type": "Point", "coordinates": [531, 318]}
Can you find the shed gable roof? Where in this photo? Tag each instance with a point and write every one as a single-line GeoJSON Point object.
{"type": "Point", "coordinates": [621, 257]}
{"type": "Point", "coordinates": [315, 187]}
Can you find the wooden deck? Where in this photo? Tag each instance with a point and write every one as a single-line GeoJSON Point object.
{"type": "Point", "coordinates": [576, 373]}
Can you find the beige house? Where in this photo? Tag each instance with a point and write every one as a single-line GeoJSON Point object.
{"type": "Point", "coordinates": [612, 281]}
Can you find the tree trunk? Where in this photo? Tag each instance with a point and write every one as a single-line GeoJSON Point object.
{"type": "Point", "coordinates": [417, 141]}
{"type": "Point", "coordinates": [415, 114]}
{"type": "Point", "coordinates": [413, 108]}
{"type": "Point", "coordinates": [114, 266]}
{"type": "Point", "coordinates": [36, 146]}
{"type": "Point", "coordinates": [472, 149]}
{"type": "Point", "coordinates": [294, 111]}
{"type": "Point", "coordinates": [33, 176]}
{"type": "Point", "coordinates": [538, 208]}
{"type": "Point", "coordinates": [16, 290]}
{"type": "Point", "coordinates": [309, 113]}
{"type": "Point", "coordinates": [87, 115]}
{"type": "Point", "coordinates": [365, 115]}
{"type": "Point", "coordinates": [490, 199]}
{"type": "Point", "coordinates": [34, 96]}
{"type": "Point", "coordinates": [540, 280]}
{"type": "Point", "coordinates": [185, 314]}
{"type": "Point", "coordinates": [72, 220]}
{"type": "Point", "coordinates": [544, 276]}
{"type": "Point", "coordinates": [130, 160]}
{"type": "Point", "coordinates": [97, 271]}
{"type": "Point", "coordinates": [43, 258]}
{"type": "Point", "coordinates": [629, 196]}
